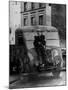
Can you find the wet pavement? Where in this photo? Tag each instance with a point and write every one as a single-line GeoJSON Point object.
{"type": "Point", "coordinates": [39, 80]}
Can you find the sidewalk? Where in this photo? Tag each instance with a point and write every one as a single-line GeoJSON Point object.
{"type": "Point", "coordinates": [13, 78]}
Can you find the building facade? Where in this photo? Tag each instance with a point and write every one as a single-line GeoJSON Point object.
{"type": "Point", "coordinates": [14, 19]}
{"type": "Point", "coordinates": [35, 14]}
{"type": "Point", "coordinates": [59, 21]}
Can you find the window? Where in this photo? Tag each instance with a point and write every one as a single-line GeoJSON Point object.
{"type": "Point", "coordinates": [32, 6]}
{"type": "Point", "coordinates": [16, 2]}
{"type": "Point", "coordinates": [32, 20]}
{"type": "Point", "coordinates": [25, 21]}
{"type": "Point", "coordinates": [25, 6]}
{"type": "Point", "coordinates": [41, 20]}
{"type": "Point", "coordinates": [41, 5]}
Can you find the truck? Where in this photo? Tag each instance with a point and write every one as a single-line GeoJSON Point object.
{"type": "Point", "coordinates": [53, 55]}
